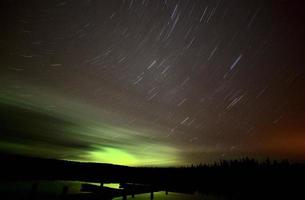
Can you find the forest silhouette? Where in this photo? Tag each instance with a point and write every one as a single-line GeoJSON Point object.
{"type": "Point", "coordinates": [233, 179]}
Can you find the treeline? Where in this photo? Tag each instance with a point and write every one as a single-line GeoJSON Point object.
{"type": "Point", "coordinates": [235, 177]}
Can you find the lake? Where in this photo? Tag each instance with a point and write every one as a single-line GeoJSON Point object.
{"type": "Point", "coordinates": [53, 190]}
{"type": "Point", "coordinates": [172, 196]}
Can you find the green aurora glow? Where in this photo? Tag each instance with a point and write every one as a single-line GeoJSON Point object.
{"type": "Point", "coordinates": [77, 132]}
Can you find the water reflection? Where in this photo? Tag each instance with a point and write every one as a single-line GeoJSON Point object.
{"type": "Point", "coordinates": [172, 196]}
{"type": "Point", "coordinates": [53, 190]}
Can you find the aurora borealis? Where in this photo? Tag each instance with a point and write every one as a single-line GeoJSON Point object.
{"type": "Point", "coordinates": [75, 132]}
{"type": "Point", "coordinates": [152, 82]}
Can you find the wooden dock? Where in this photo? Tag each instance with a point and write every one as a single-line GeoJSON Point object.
{"type": "Point", "coordinates": [90, 191]}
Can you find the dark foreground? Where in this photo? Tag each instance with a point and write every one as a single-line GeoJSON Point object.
{"type": "Point", "coordinates": [238, 179]}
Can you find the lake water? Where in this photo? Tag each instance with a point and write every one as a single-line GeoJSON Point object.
{"type": "Point", "coordinates": [44, 187]}
{"type": "Point", "coordinates": [172, 196]}
{"type": "Point", "coordinates": [53, 190]}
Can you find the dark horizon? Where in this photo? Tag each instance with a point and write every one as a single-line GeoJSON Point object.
{"type": "Point", "coordinates": [16, 156]}
{"type": "Point", "coordinates": [235, 179]}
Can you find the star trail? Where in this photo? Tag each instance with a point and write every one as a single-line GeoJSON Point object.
{"type": "Point", "coordinates": [153, 82]}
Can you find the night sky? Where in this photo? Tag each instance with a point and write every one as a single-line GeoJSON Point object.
{"type": "Point", "coordinates": [153, 82]}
